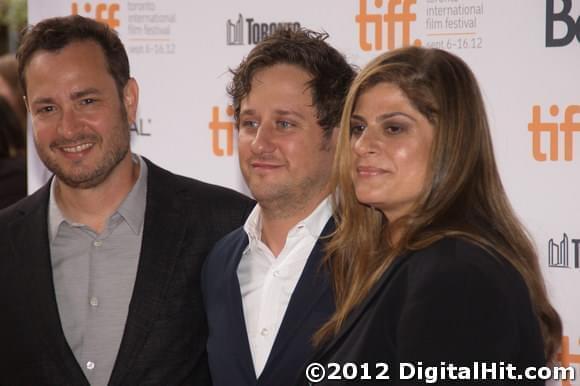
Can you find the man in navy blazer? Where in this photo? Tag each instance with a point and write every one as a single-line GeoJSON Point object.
{"type": "Point", "coordinates": [100, 268]}
{"type": "Point", "coordinates": [266, 290]}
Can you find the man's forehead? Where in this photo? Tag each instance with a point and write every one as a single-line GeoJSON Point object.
{"type": "Point", "coordinates": [283, 71]}
{"type": "Point", "coordinates": [87, 49]}
{"type": "Point", "coordinates": [46, 78]}
{"type": "Point", "coordinates": [279, 84]}
{"type": "Point", "coordinates": [278, 106]}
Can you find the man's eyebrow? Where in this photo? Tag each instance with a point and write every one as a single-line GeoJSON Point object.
{"type": "Point", "coordinates": [280, 112]}
{"type": "Point", "coordinates": [289, 112]}
{"type": "Point", "coordinates": [84, 93]}
{"type": "Point", "coordinates": [74, 95]}
{"type": "Point", "coordinates": [42, 101]}
{"type": "Point", "coordinates": [247, 112]}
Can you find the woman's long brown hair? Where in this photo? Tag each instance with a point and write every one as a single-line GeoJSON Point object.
{"type": "Point", "coordinates": [464, 197]}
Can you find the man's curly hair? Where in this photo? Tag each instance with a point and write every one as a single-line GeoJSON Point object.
{"type": "Point", "coordinates": [331, 74]}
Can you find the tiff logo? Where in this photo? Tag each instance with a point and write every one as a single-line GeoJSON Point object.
{"type": "Point", "coordinates": [235, 32]}
{"type": "Point", "coordinates": [102, 12]}
{"type": "Point", "coordinates": [217, 126]}
{"type": "Point", "coordinates": [568, 127]}
{"type": "Point", "coordinates": [558, 253]}
{"type": "Point", "coordinates": [566, 358]}
{"type": "Point", "coordinates": [389, 19]}
{"type": "Point", "coordinates": [571, 26]}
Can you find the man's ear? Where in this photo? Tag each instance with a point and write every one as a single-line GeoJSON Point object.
{"type": "Point", "coordinates": [329, 142]}
{"type": "Point", "coordinates": [131, 99]}
{"type": "Point", "coordinates": [334, 136]}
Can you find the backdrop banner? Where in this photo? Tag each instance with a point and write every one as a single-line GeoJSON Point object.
{"type": "Point", "coordinates": [525, 54]}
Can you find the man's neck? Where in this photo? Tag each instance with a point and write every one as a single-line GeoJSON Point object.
{"type": "Point", "coordinates": [92, 207]}
{"type": "Point", "coordinates": [276, 223]}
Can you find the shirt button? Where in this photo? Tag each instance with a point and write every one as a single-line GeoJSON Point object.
{"type": "Point", "coordinates": [264, 332]}
{"type": "Point", "coordinates": [97, 243]}
{"type": "Point", "coordinates": [90, 365]}
{"type": "Point", "coordinates": [94, 301]}
{"type": "Point", "coordinates": [276, 273]}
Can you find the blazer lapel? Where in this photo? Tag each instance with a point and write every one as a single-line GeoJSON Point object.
{"type": "Point", "coordinates": [312, 285]}
{"type": "Point", "coordinates": [239, 333]}
{"type": "Point", "coordinates": [31, 244]}
{"type": "Point", "coordinates": [358, 311]}
{"type": "Point", "coordinates": [163, 234]}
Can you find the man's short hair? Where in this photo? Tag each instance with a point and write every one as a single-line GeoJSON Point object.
{"type": "Point", "coordinates": [55, 33]}
{"type": "Point", "coordinates": [331, 74]}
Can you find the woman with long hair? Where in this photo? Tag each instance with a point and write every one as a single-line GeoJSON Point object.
{"type": "Point", "coordinates": [430, 264]}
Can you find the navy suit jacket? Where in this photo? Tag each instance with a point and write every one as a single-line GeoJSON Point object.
{"type": "Point", "coordinates": [165, 333]}
{"type": "Point", "coordinates": [311, 305]}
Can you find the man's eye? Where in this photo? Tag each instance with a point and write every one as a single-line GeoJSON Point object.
{"type": "Point", "coordinates": [45, 109]}
{"type": "Point", "coordinates": [249, 124]}
{"type": "Point", "coordinates": [87, 101]}
{"type": "Point", "coordinates": [285, 124]}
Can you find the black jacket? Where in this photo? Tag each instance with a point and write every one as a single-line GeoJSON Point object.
{"type": "Point", "coordinates": [451, 302]}
{"type": "Point", "coordinates": [165, 333]}
{"type": "Point", "coordinates": [12, 180]}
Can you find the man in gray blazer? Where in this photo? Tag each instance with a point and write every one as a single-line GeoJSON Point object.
{"type": "Point", "coordinates": [100, 268]}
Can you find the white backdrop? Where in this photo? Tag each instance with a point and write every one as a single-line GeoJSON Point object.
{"type": "Point", "coordinates": [524, 53]}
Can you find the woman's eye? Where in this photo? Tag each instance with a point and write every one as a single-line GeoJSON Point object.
{"type": "Point", "coordinates": [392, 129]}
{"type": "Point", "coordinates": [357, 129]}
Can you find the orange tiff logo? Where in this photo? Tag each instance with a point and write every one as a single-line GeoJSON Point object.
{"type": "Point", "coordinates": [217, 126]}
{"type": "Point", "coordinates": [102, 12]}
{"type": "Point", "coordinates": [566, 358]}
{"type": "Point", "coordinates": [537, 126]}
{"type": "Point", "coordinates": [397, 12]}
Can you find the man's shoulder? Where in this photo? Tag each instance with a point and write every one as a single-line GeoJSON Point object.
{"type": "Point", "coordinates": [199, 190]}
{"type": "Point", "coordinates": [227, 249]}
{"type": "Point", "coordinates": [36, 201]}
{"type": "Point", "coordinates": [236, 239]}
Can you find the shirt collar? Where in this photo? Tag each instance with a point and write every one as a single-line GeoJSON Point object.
{"type": "Point", "coordinates": [253, 224]}
{"type": "Point", "coordinates": [132, 208]}
{"type": "Point", "coordinates": [314, 223]}
{"type": "Point", "coordinates": [55, 216]}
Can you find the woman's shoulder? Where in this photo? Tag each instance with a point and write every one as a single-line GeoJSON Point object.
{"type": "Point", "coordinates": [453, 253]}
{"type": "Point", "coordinates": [462, 302]}
{"type": "Point", "coordinates": [463, 262]}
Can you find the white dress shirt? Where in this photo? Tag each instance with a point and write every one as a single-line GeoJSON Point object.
{"type": "Point", "coordinates": [267, 282]}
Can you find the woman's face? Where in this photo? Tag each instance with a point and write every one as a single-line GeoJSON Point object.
{"type": "Point", "coordinates": [391, 147]}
